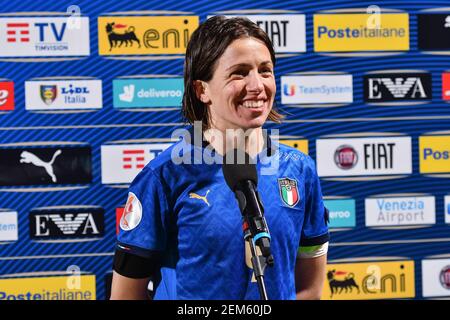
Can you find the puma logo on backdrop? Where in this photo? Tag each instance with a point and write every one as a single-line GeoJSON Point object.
{"type": "Point", "coordinates": [28, 157]}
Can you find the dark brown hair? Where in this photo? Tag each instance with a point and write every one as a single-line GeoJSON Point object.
{"type": "Point", "coordinates": [207, 44]}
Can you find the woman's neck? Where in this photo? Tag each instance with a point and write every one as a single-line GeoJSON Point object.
{"type": "Point", "coordinates": [223, 140]}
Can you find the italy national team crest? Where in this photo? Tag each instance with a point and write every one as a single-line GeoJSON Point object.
{"type": "Point", "coordinates": [48, 93]}
{"type": "Point", "coordinates": [289, 191]}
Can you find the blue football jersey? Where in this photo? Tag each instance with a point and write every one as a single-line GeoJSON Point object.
{"type": "Point", "coordinates": [188, 213]}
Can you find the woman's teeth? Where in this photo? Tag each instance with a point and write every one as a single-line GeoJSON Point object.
{"type": "Point", "coordinates": [253, 104]}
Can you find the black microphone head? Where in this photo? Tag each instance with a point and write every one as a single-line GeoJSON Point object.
{"type": "Point", "coordinates": [238, 166]}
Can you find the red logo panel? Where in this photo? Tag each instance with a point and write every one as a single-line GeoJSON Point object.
{"type": "Point", "coordinates": [6, 95]}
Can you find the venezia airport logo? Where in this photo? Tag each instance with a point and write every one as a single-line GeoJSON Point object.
{"type": "Point", "coordinates": [145, 35]}
{"type": "Point", "coordinates": [400, 211]}
{"type": "Point", "coordinates": [43, 37]}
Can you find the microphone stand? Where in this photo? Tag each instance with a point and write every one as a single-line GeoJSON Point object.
{"type": "Point", "coordinates": [259, 262]}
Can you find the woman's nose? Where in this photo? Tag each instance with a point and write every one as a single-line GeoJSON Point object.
{"type": "Point", "coordinates": [255, 83]}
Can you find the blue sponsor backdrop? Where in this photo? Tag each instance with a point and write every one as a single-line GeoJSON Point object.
{"type": "Point", "coordinates": [108, 124]}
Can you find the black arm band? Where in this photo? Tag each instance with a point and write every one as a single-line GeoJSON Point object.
{"type": "Point", "coordinates": [134, 266]}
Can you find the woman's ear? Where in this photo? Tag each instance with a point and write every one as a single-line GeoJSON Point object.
{"type": "Point", "coordinates": [201, 91]}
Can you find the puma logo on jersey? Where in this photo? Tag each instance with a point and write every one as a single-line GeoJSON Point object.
{"type": "Point", "coordinates": [28, 157]}
{"type": "Point", "coordinates": [194, 195]}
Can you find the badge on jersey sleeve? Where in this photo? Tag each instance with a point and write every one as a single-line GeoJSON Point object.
{"type": "Point", "coordinates": [132, 214]}
{"type": "Point", "coordinates": [288, 191]}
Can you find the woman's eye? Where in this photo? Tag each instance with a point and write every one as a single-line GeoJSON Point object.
{"type": "Point", "coordinates": [242, 73]}
{"type": "Point", "coordinates": [266, 71]}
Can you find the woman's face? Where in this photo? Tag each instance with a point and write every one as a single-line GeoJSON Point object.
{"type": "Point", "coordinates": [242, 89]}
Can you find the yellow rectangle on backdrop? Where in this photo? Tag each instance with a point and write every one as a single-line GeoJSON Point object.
{"type": "Point", "coordinates": [361, 32]}
{"type": "Point", "coordinates": [76, 287]}
{"type": "Point", "coordinates": [301, 144]}
{"type": "Point", "coordinates": [145, 35]}
{"type": "Point", "coordinates": [434, 153]}
{"type": "Point", "coordinates": [369, 280]}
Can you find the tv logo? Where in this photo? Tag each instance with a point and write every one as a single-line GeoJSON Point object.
{"type": "Point", "coordinates": [289, 90]}
{"type": "Point", "coordinates": [447, 208]}
{"type": "Point", "coordinates": [43, 36]}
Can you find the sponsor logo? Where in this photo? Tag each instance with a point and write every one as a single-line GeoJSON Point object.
{"type": "Point", "coordinates": [317, 89]}
{"type": "Point", "coordinates": [446, 86]}
{"type": "Point", "coordinates": [288, 191]}
{"type": "Point", "coordinates": [119, 214]}
{"type": "Point", "coordinates": [391, 87]}
{"type": "Point", "coordinates": [400, 211]}
{"type": "Point", "coordinates": [132, 213]}
{"type": "Point", "coordinates": [437, 25]}
{"type": "Point", "coordinates": [8, 225]}
{"type": "Point", "coordinates": [372, 280]}
{"type": "Point", "coordinates": [444, 277]}
{"type": "Point", "coordinates": [45, 165]}
{"type": "Point", "coordinates": [436, 277]}
{"type": "Point", "coordinates": [345, 157]}
{"type": "Point", "coordinates": [204, 198]}
{"type": "Point", "coordinates": [447, 209]}
{"type": "Point", "coordinates": [63, 95]}
{"type": "Point", "coordinates": [66, 223]}
{"type": "Point", "coordinates": [301, 145]}
{"type": "Point", "coordinates": [121, 163]}
{"type": "Point", "coordinates": [342, 213]}
{"type": "Point", "coordinates": [434, 154]}
{"type": "Point", "coordinates": [287, 32]}
{"type": "Point", "coordinates": [6, 96]}
{"type": "Point", "coordinates": [43, 36]}
{"type": "Point", "coordinates": [139, 35]}
{"type": "Point", "coordinates": [350, 32]}
{"type": "Point", "coordinates": [49, 288]}
{"type": "Point", "coordinates": [148, 93]}
{"type": "Point", "coordinates": [364, 156]}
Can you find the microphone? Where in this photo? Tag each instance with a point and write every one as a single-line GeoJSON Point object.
{"type": "Point", "coordinates": [241, 177]}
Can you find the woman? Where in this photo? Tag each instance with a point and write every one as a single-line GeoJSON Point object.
{"type": "Point", "coordinates": [182, 223]}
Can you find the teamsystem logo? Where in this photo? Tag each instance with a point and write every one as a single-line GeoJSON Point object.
{"type": "Point", "coordinates": [447, 209]}
{"type": "Point", "coordinates": [144, 35]}
{"type": "Point", "coordinates": [63, 94]}
{"type": "Point", "coordinates": [354, 32]}
{"type": "Point", "coordinates": [317, 89]}
{"type": "Point", "coordinates": [8, 225]}
{"type": "Point", "coordinates": [43, 36]}
{"type": "Point", "coordinates": [148, 93]}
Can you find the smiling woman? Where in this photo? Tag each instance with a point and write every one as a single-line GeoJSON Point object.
{"type": "Point", "coordinates": [182, 225]}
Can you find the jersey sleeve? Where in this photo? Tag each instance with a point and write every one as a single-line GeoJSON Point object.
{"type": "Point", "coordinates": [315, 228]}
{"type": "Point", "coordinates": [143, 226]}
